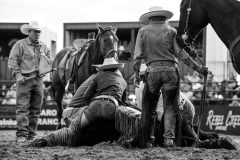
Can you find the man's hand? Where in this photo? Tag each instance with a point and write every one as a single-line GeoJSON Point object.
{"type": "Point", "coordinates": [137, 80]}
{"type": "Point", "coordinates": [20, 79]}
{"type": "Point", "coordinates": [40, 75]}
{"type": "Point", "coordinates": [203, 70]}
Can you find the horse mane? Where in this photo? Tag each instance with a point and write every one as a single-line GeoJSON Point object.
{"type": "Point", "coordinates": [96, 57]}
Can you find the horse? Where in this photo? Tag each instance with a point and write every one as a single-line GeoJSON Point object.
{"type": "Point", "coordinates": [223, 15]}
{"type": "Point", "coordinates": [105, 45]}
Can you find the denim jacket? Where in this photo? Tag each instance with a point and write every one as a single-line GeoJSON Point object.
{"type": "Point", "coordinates": [157, 42]}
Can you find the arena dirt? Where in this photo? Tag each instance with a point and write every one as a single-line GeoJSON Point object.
{"type": "Point", "coordinates": [105, 150]}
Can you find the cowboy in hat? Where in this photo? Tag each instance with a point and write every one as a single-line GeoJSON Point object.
{"type": "Point", "coordinates": [156, 11]}
{"type": "Point", "coordinates": [156, 44]}
{"type": "Point", "coordinates": [106, 90]}
{"type": "Point", "coordinates": [33, 25]}
{"type": "Point", "coordinates": [77, 100]}
{"type": "Point", "coordinates": [24, 61]}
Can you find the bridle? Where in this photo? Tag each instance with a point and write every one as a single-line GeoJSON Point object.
{"type": "Point", "coordinates": [114, 36]}
{"type": "Point", "coordinates": [186, 34]}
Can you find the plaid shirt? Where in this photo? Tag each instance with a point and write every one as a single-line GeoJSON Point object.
{"type": "Point", "coordinates": [24, 57]}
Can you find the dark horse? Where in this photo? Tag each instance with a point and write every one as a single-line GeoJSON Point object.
{"type": "Point", "coordinates": [223, 15]}
{"type": "Point", "coordinates": [105, 45]}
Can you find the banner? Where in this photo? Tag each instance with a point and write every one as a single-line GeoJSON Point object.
{"type": "Point", "coordinates": [47, 120]}
{"type": "Point", "coordinates": [220, 118]}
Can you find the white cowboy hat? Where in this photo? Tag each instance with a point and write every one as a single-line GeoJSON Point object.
{"type": "Point", "coordinates": [143, 68]}
{"type": "Point", "coordinates": [109, 63]}
{"type": "Point", "coordinates": [155, 11]}
{"type": "Point", "coordinates": [32, 25]}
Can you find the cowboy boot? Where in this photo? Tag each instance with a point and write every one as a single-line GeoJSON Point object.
{"type": "Point", "coordinates": [228, 143]}
{"type": "Point", "coordinates": [151, 129]}
{"type": "Point", "coordinates": [223, 142]}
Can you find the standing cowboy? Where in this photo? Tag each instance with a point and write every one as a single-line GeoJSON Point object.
{"type": "Point", "coordinates": [156, 44]}
{"type": "Point", "coordinates": [24, 61]}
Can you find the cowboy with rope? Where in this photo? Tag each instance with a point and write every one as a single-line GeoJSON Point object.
{"type": "Point", "coordinates": [28, 58]}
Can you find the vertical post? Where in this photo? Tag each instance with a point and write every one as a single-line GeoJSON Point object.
{"type": "Point", "coordinates": [202, 108]}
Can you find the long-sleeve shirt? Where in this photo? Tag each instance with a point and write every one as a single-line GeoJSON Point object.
{"type": "Point", "coordinates": [157, 42]}
{"type": "Point", "coordinates": [24, 57]}
{"type": "Point", "coordinates": [106, 83]}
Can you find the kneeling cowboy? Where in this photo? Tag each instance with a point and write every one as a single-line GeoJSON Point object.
{"type": "Point", "coordinates": [106, 91]}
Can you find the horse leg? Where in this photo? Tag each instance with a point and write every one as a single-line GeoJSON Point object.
{"type": "Point", "coordinates": [58, 91]}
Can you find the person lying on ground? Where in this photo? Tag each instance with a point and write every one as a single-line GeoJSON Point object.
{"type": "Point", "coordinates": [209, 140]}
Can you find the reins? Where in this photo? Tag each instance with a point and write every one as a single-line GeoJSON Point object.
{"type": "Point", "coordinates": [185, 36]}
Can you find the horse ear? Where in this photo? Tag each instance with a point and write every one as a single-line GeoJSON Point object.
{"type": "Point", "coordinates": [115, 30]}
{"type": "Point", "coordinates": [100, 28]}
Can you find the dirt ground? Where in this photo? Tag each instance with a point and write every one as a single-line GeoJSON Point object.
{"type": "Point", "coordinates": [105, 150]}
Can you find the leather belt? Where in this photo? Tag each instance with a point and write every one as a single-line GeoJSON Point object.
{"type": "Point", "coordinates": [163, 63]}
{"type": "Point", "coordinates": [109, 98]}
{"type": "Point", "coordinates": [157, 66]}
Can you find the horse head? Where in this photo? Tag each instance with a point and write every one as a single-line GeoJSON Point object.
{"type": "Point", "coordinates": [193, 18]}
{"type": "Point", "coordinates": [107, 41]}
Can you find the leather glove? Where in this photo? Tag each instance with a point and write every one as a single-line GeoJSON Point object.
{"type": "Point", "coordinates": [20, 79]}
{"type": "Point", "coordinates": [137, 80]}
{"type": "Point", "coordinates": [203, 70]}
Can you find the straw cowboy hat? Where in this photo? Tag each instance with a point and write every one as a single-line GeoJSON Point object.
{"type": "Point", "coordinates": [155, 11]}
{"type": "Point", "coordinates": [32, 25]}
{"type": "Point", "coordinates": [109, 63]}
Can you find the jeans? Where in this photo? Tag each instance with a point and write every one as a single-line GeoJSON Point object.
{"type": "Point", "coordinates": [186, 113]}
{"type": "Point", "coordinates": [29, 97]}
{"type": "Point", "coordinates": [168, 81]}
{"type": "Point", "coordinates": [100, 108]}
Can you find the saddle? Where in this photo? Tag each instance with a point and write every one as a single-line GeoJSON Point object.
{"type": "Point", "coordinates": [67, 64]}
